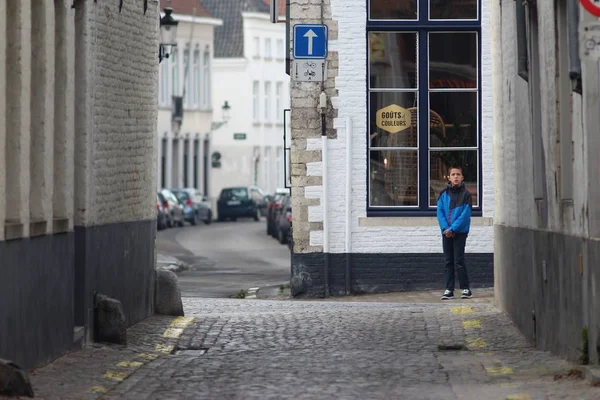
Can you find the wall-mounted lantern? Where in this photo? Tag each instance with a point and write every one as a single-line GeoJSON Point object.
{"type": "Point", "coordinates": [168, 34]}
{"type": "Point", "coordinates": [225, 108]}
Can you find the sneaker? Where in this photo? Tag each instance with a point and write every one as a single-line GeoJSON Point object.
{"type": "Point", "coordinates": [448, 295]}
{"type": "Point", "coordinates": [466, 294]}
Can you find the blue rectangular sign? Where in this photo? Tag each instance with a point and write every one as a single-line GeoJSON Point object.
{"type": "Point", "coordinates": [310, 41]}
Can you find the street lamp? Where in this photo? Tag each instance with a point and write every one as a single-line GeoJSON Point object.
{"type": "Point", "coordinates": [225, 108]}
{"type": "Point", "coordinates": [168, 34]}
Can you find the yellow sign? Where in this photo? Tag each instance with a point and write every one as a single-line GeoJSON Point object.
{"type": "Point", "coordinates": [393, 119]}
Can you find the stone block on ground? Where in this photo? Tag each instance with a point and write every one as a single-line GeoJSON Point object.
{"type": "Point", "coordinates": [109, 321]}
{"type": "Point", "coordinates": [13, 380]}
{"type": "Point", "coordinates": [168, 294]}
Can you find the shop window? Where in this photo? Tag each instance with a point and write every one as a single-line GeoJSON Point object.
{"type": "Point", "coordinates": [424, 102]}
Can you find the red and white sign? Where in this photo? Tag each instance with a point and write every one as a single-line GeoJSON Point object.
{"type": "Point", "coordinates": [592, 6]}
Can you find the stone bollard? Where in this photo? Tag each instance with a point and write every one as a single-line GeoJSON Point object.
{"type": "Point", "coordinates": [168, 294]}
{"type": "Point", "coordinates": [109, 321]}
{"type": "Point", "coordinates": [14, 381]}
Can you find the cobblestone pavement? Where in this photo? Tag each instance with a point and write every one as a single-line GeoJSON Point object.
{"type": "Point", "coordinates": [271, 349]}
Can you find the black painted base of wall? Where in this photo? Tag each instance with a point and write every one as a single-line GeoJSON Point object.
{"type": "Point", "coordinates": [116, 260]}
{"type": "Point", "coordinates": [554, 278]}
{"type": "Point", "coordinates": [47, 286]}
{"type": "Point", "coordinates": [380, 273]}
{"type": "Point", "coordinates": [36, 298]}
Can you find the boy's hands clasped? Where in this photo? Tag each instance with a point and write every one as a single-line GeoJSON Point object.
{"type": "Point", "coordinates": [448, 233]}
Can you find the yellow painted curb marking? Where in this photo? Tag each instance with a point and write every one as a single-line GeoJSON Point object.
{"type": "Point", "coordinates": [472, 323]}
{"type": "Point", "coordinates": [499, 370]}
{"type": "Point", "coordinates": [130, 364]}
{"type": "Point", "coordinates": [115, 376]}
{"type": "Point", "coordinates": [462, 310]}
{"type": "Point", "coordinates": [148, 356]}
{"type": "Point", "coordinates": [182, 322]}
{"type": "Point", "coordinates": [476, 343]}
{"type": "Point", "coordinates": [98, 389]}
{"type": "Point", "coordinates": [166, 349]}
{"type": "Point", "coordinates": [519, 396]}
{"type": "Point", "coordinates": [173, 333]}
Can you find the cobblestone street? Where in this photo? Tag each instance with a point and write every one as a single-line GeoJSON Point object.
{"type": "Point", "coordinates": [239, 349]}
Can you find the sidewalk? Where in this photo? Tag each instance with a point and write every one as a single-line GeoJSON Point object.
{"type": "Point", "coordinates": [400, 345]}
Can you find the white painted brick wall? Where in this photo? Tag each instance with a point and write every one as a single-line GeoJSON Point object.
{"type": "Point", "coordinates": [351, 16]}
{"type": "Point", "coordinates": [513, 140]}
{"type": "Point", "coordinates": [125, 90]}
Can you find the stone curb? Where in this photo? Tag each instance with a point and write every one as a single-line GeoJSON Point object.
{"type": "Point", "coordinates": [591, 373]}
{"type": "Point", "coordinates": [252, 292]}
{"type": "Point", "coordinates": [171, 264]}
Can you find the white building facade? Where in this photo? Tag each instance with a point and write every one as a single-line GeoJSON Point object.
{"type": "Point", "coordinates": [185, 101]}
{"type": "Point", "coordinates": [364, 211]}
{"type": "Point", "coordinates": [249, 74]}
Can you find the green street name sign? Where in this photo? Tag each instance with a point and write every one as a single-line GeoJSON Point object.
{"type": "Point", "coordinates": [239, 136]}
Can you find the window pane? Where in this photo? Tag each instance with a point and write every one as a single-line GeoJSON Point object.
{"type": "Point", "coordinates": [393, 119]}
{"type": "Point", "coordinates": [453, 9]}
{"type": "Point", "coordinates": [453, 119]}
{"type": "Point", "coordinates": [393, 177]}
{"type": "Point", "coordinates": [453, 60]}
{"type": "Point", "coordinates": [398, 9]}
{"type": "Point", "coordinates": [393, 60]}
{"type": "Point", "coordinates": [440, 161]}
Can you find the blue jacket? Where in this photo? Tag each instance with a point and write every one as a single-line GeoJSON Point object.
{"type": "Point", "coordinates": [454, 209]}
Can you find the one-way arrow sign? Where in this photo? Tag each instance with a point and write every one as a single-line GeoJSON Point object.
{"type": "Point", "coordinates": [310, 35]}
{"type": "Point", "coordinates": [310, 41]}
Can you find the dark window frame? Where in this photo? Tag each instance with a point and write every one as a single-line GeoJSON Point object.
{"type": "Point", "coordinates": [422, 25]}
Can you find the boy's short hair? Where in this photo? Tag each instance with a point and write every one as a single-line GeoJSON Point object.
{"type": "Point", "coordinates": [455, 167]}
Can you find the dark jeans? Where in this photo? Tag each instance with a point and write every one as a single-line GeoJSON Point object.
{"type": "Point", "coordinates": [454, 256]}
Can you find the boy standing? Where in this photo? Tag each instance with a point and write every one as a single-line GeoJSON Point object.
{"type": "Point", "coordinates": [454, 216]}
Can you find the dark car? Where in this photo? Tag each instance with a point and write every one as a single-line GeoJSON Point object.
{"type": "Point", "coordinates": [283, 222]}
{"type": "Point", "coordinates": [161, 216]}
{"type": "Point", "coordinates": [273, 206]}
{"type": "Point", "coordinates": [240, 202]}
{"type": "Point", "coordinates": [196, 208]}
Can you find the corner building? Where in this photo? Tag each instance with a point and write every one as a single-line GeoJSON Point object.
{"type": "Point", "coordinates": [408, 89]}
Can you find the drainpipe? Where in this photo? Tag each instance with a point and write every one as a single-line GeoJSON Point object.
{"type": "Point", "coordinates": [348, 205]}
{"type": "Point", "coordinates": [322, 109]}
{"type": "Point", "coordinates": [522, 67]}
{"type": "Point", "coordinates": [573, 32]}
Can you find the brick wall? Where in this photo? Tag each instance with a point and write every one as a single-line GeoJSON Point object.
{"type": "Point", "coordinates": [124, 88]}
{"type": "Point", "coordinates": [345, 88]}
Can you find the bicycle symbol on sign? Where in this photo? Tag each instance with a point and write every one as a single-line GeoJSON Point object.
{"type": "Point", "coordinates": [310, 64]}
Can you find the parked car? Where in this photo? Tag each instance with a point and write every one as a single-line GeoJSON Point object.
{"type": "Point", "coordinates": [161, 215]}
{"type": "Point", "coordinates": [272, 207]}
{"type": "Point", "coordinates": [172, 207]}
{"type": "Point", "coordinates": [195, 206]}
{"type": "Point", "coordinates": [284, 220]}
{"type": "Point", "coordinates": [240, 202]}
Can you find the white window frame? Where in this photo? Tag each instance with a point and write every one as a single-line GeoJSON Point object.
{"type": "Point", "coordinates": [206, 64]}
{"type": "Point", "coordinates": [174, 74]}
{"type": "Point", "coordinates": [279, 101]}
{"type": "Point", "coordinates": [256, 47]}
{"type": "Point", "coordinates": [163, 91]}
{"type": "Point", "coordinates": [267, 102]}
{"type": "Point", "coordinates": [197, 78]}
{"type": "Point", "coordinates": [187, 100]}
{"type": "Point", "coordinates": [256, 101]}
{"type": "Point", "coordinates": [280, 50]}
{"type": "Point", "coordinates": [268, 49]}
